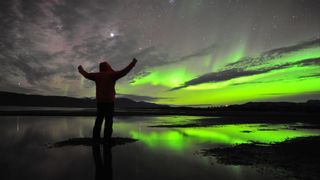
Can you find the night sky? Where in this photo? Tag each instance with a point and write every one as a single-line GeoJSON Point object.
{"type": "Point", "coordinates": [190, 52]}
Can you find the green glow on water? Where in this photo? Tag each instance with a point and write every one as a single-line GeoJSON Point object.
{"type": "Point", "coordinates": [170, 139]}
{"type": "Point", "coordinates": [232, 134]}
{"type": "Point", "coordinates": [179, 139]}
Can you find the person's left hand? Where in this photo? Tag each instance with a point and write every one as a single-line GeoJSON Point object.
{"type": "Point", "coordinates": [134, 60]}
{"type": "Point", "coordinates": [80, 68]}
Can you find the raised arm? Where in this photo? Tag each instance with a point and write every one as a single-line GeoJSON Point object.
{"type": "Point", "coordinates": [85, 73]}
{"type": "Point", "coordinates": [126, 70]}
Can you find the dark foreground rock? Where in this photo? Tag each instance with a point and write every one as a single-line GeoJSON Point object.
{"type": "Point", "coordinates": [298, 158]}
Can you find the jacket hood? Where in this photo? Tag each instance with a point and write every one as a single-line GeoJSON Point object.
{"type": "Point", "coordinates": [105, 67]}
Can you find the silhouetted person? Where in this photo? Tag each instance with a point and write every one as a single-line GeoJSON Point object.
{"type": "Point", "coordinates": [105, 94]}
{"type": "Point", "coordinates": [103, 167]}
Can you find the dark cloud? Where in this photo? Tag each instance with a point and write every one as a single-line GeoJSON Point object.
{"type": "Point", "coordinates": [275, 94]}
{"type": "Point", "coordinates": [32, 66]}
{"type": "Point", "coordinates": [239, 69]}
{"type": "Point", "coordinates": [74, 14]}
{"type": "Point", "coordinates": [140, 98]}
{"type": "Point", "coordinates": [310, 76]}
{"type": "Point", "coordinates": [284, 50]}
{"type": "Point", "coordinates": [236, 73]}
{"type": "Point", "coordinates": [272, 54]}
{"type": "Point", "coordinates": [18, 46]}
{"type": "Point", "coordinates": [256, 82]}
{"type": "Point", "coordinates": [221, 76]}
{"type": "Point", "coordinates": [6, 85]}
{"type": "Point", "coordinates": [27, 27]}
{"type": "Point", "coordinates": [23, 66]}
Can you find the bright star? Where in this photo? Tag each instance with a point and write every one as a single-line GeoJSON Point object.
{"type": "Point", "coordinates": [172, 1]}
{"type": "Point", "coordinates": [111, 34]}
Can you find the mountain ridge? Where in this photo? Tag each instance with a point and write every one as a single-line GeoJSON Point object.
{"type": "Point", "coordinates": [19, 99]}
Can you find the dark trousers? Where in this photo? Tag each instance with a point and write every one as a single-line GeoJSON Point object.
{"type": "Point", "coordinates": [104, 110]}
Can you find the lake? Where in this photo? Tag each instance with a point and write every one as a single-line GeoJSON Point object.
{"type": "Point", "coordinates": [159, 153]}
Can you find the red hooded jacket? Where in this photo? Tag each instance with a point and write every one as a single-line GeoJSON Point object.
{"type": "Point", "coordinates": [105, 80]}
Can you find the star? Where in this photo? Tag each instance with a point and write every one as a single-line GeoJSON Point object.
{"type": "Point", "coordinates": [112, 34]}
{"type": "Point", "coordinates": [172, 2]}
{"type": "Point", "coordinates": [59, 27]}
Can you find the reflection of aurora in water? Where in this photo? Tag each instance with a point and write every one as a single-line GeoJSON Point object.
{"type": "Point", "coordinates": [158, 153]}
{"type": "Point", "coordinates": [183, 138]}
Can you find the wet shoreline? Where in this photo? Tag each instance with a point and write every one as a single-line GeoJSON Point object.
{"type": "Point", "coordinates": [293, 158]}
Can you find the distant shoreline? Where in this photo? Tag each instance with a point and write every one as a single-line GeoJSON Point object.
{"type": "Point", "coordinates": [156, 112]}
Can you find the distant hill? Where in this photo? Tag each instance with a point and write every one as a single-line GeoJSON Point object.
{"type": "Point", "coordinates": [309, 106]}
{"type": "Point", "coordinates": [16, 99]}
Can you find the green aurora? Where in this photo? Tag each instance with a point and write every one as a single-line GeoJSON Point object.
{"type": "Point", "coordinates": [290, 81]}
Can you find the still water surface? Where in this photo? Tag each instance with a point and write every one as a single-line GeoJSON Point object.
{"type": "Point", "coordinates": [159, 153]}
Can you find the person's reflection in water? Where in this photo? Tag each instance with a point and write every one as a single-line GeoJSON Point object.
{"type": "Point", "coordinates": [103, 167]}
